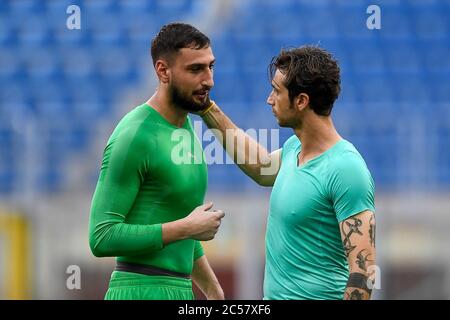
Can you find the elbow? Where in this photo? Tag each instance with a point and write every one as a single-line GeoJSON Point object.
{"type": "Point", "coordinates": [263, 176]}
{"type": "Point", "coordinates": [97, 252]}
{"type": "Point", "coordinates": [97, 249]}
{"type": "Point", "coordinates": [263, 181]}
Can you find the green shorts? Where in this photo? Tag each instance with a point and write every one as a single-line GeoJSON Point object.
{"type": "Point", "coordinates": [135, 286]}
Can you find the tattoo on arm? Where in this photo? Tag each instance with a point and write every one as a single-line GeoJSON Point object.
{"type": "Point", "coordinates": [362, 260]}
{"type": "Point", "coordinates": [354, 295]}
{"type": "Point", "coordinates": [372, 230]}
{"type": "Point", "coordinates": [358, 239]}
{"type": "Point", "coordinates": [357, 288]}
{"type": "Point", "coordinates": [353, 227]}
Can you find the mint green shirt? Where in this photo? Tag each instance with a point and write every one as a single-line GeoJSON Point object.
{"type": "Point", "coordinates": [305, 258]}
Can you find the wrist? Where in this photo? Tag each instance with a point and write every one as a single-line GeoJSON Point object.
{"type": "Point", "coordinates": [174, 231]}
{"type": "Point", "coordinates": [215, 292]}
{"type": "Point", "coordinates": [184, 227]}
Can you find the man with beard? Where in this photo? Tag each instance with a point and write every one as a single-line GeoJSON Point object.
{"type": "Point", "coordinates": [320, 236]}
{"type": "Point", "coordinates": [148, 209]}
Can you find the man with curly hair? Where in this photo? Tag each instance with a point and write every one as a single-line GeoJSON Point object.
{"type": "Point", "coordinates": [320, 238]}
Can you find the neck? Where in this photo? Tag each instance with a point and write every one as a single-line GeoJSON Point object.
{"type": "Point", "coordinates": [160, 102]}
{"type": "Point", "coordinates": [317, 134]}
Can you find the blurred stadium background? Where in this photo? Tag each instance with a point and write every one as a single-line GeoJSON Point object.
{"type": "Point", "coordinates": [62, 92]}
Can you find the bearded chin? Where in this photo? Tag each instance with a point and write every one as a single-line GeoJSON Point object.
{"type": "Point", "coordinates": [185, 103]}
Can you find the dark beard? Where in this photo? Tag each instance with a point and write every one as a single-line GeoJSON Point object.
{"type": "Point", "coordinates": [185, 103]}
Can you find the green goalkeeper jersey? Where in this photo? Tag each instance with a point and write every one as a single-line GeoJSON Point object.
{"type": "Point", "coordinates": [152, 173]}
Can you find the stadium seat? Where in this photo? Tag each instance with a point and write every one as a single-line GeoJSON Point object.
{"type": "Point", "coordinates": [399, 71]}
{"type": "Point", "coordinates": [366, 58]}
{"type": "Point", "coordinates": [430, 23]}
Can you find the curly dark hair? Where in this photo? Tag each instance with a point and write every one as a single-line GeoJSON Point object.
{"type": "Point", "coordinates": [174, 36]}
{"type": "Point", "coordinates": [310, 70]}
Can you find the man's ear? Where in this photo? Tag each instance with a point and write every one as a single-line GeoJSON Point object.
{"type": "Point", "coordinates": [302, 101]}
{"type": "Point", "coordinates": [162, 71]}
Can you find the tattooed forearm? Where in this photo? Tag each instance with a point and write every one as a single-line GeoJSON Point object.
{"type": "Point", "coordinates": [357, 287]}
{"type": "Point", "coordinates": [362, 259]}
{"type": "Point", "coordinates": [372, 230]}
{"type": "Point", "coordinates": [349, 227]}
{"type": "Point", "coordinates": [358, 239]}
{"type": "Point", "coordinates": [355, 294]}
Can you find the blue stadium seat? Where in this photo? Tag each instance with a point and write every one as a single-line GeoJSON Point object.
{"type": "Point", "coordinates": [8, 160]}
{"type": "Point", "coordinates": [173, 6]}
{"type": "Point", "coordinates": [435, 56]}
{"type": "Point", "coordinates": [366, 58]}
{"type": "Point", "coordinates": [77, 64]}
{"type": "Point", "coordinates": [395, 25]}
{"type": "Point", "coordinates": [52, 110]}
{"type": "Point", "coordinates": [284, 25]}
{"type": "Point", "coordinates": [375, 88]}
{"type": "Point", "coordinates": [114, 64]}
{"type": "Point", "coordinates": [33, 33]}
{"type": "Point", "coordinates": [317, 5]}
{"type": "Point", "coordinates": [6, 30]}
{"type": "Point", "coordinates": [351, 23]}
{"type": "Point", "coordinates": [226, 60]}
{"type": "Point", "coordinates": [10, 68]}
{"type": "Point", "coordinates": [13, 95]}
{"type": "Point", "coordinates": [76, 76]}
{"type": "Point", "coordinates": [402, 58]}
{"type": "Point", "coordinates": [80, 91]}
{"type": "Point", "coordinates": [87, 110]}
{"type": "Point", "coordinates": [105, 29]}
{"type": "Point", "coordinates": [440, 89]}
{"type": "Point", "coordinates": [410, 89]}
{"type": "Point", "coordinates": [101, 6]}
{"type": "Point", "coordinates": [246, 28]}
{"type": "Point", "coordinates": [140, 31]}
{"type": "Point", "coordinates": [259, 86]}
{"type": "Point", "coordinates": [254, 56]}
{"type": "Point", "coordinates": [41, 64]}
{"type": "Point", "coordinates": [421, 4]}
{"type": "Point", "coordinates": [50, 180]}
{"type": "Point", "coordinates": [349, 92]}
{"type": "Point", "coordinates": [430, 24]}
{"type": "Point", "coordinates": [228, 87]}
{"type": "Point", "coordinates": [322, 26]}
{"type": "Point", "coordinates": [261, 117]}
{"type": "Point", "coordinates": [442, 150]}
{"type": "Point", "coordinates": [23, 6]}
{"type": "Point", "coordinates": [377, 144]}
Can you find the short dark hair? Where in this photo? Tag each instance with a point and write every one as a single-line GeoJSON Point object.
{"type": "Point", "coordinates": [310, 70]}
{"type": "Point", "coordinates": [174, 36]}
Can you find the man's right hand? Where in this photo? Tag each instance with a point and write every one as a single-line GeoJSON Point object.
{"type": "Point", "coordinates": [203, 224]}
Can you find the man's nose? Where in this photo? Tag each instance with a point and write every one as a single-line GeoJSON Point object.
{"type": "Point", "coordinates": [208, 81]}
{"type": "Point", "coordinates": [270, 100]}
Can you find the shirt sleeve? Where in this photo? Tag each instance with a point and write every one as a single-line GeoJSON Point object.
{"type": "Point", "coordinates": [351, 187]}
{"type": "Point", "coordinates": [124, 167]}
{"type": "Point", "coordinates": [291, 143]}
{"type": "Point", "coordinates": [198, 250]}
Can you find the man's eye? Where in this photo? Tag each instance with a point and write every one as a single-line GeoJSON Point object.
{"type": "Point", "coordinates": [195, 69]}
{"type": "Point", "coordinates": [211, 67]}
